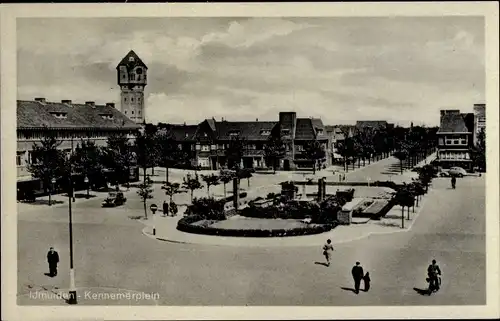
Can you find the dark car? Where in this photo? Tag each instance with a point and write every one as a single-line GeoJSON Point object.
{"type": "Point", "coordinates": [114, 199]}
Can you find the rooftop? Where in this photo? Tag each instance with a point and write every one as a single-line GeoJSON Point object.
{"type": "Point", "coordinates": [68, 115]}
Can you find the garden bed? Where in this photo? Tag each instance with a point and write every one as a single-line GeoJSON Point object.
{"type": "Point", "coordinates": [250, 227]}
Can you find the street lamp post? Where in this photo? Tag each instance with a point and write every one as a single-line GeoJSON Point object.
{"type": "Point", "coordinates": [53, 181]}
{"type": "Point", "coordinates": [72, 288]}
{"type": "Point", "coordinates": [153, 209]}
{"type": "Point", "coordinates": [86, 180]}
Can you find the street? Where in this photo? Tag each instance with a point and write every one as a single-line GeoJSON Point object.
{"type": "Point", "coordinates": [111, 252]}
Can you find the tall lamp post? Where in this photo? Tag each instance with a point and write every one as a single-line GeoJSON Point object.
{"type": "Point", "coordinates": [53, 181]}
{"type": "Point", "coordinates": [86, 181]}
{"type": "Point", "coordinates": [72, 288]}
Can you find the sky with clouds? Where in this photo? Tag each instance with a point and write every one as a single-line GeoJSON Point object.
{"type": "Point", "coordinates": [341, 69]}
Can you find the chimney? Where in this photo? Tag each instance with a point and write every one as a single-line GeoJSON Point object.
{"type": "Point", "coordinates": [112, 105]}
{"type": "Point", "coordinates": [222, 118]}
{"type": "Point", "coordinates": [256, 119]}
{"type": "Point", "coordinates": [66, 101]}
{"type": "Point", "coordinates": [184, 123]}
{"type": "Point", "coordinates": [40, 99]}
{"type": "Point", "coordinates": [90, 103]}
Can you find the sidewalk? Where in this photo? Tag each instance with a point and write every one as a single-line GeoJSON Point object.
{"type": "Point", "coordinates": [166, 230]}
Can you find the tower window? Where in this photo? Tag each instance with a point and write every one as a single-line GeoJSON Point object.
{"type": "Point", "coordinates": [132, 76]}
{"type": "Point", "coordinates": [131, 59]}
{"type": "Point", "coordinates": [139, 71]}
{"type": "Point", "coordinates": [139, 99]}
{"type": "Point", "coordinates": [125, 112]}
{"type": "Point", "coordinates": [125, 99]}
{"type": "Point", "coordinates": [139, 112]}
{"type": "Point", "coordinates": [132, 99]}
{"type": "Point", "coordinates": [132, 112]}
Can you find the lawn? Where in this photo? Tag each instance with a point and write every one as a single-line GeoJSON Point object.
{"type": "Point", "coordinates": [241, 223]}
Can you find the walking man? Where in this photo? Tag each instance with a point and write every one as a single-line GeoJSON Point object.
{"type": "Point", "coordinates": [357, 275]}
{"type": "Point", "coordinates": [327, 251]}
{"type": "Point", "coordinates": [52, 259]}
{"type": "Point", "coordinates": [165, 208]}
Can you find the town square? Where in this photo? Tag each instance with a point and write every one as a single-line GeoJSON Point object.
{"type": "Point", "coordinates": [319, 162]}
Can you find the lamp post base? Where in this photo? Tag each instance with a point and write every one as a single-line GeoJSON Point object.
{"type": "Point", "coordinates": [72, 297]}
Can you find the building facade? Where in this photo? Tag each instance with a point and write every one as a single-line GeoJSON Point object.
{"type": "Point", "coordinates": [207, 142]}
{"type": "Point", "coordinates": [455, 139]}
{"type": "Point", "coordinates": [132, 79]}
{"type": "Point", "coordinates": [479, 120]}
{"type": "Point", "coordinates": [67, 121]}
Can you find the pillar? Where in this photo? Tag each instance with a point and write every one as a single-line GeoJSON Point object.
{"type": "Point", "coordinates": [236, 193]}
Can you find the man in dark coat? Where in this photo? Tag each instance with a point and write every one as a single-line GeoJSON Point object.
{"type": "Point", "coordinates": [165, 208]}
{"type": "Point", "coordinates": [53, 259]}
{"type": "Point", "coordinates": [357, 275]}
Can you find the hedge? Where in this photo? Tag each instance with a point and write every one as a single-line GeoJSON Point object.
{"type": "Point", "coordinates": [185, 225]}
{"type": "Point", "coordinates": [231, 198]}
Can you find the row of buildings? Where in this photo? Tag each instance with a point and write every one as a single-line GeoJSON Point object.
{"type": "Point", "coordinates": [207, 141]}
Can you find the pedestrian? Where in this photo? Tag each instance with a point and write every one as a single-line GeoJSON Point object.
{"type": "Point", "coordinates": [165, 208]}
{"type": "Point", "coordinates": [327, 251]}
{"type": "Point", "coordinates": [366, 280]}
{"type": "Point", "coordinates": [357, 275]}
{"type": "Point", "coordinates": [52, 259]}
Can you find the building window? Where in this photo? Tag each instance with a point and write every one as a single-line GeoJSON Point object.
{"type": "Point", "coordinates": [139, 99]}
{"type": "Point", "coordinates": [125, 112]}
{"type": "Point", "coordinates": [213, 147]}
{"type": "Point", "coordinates": [234, 133]}
{"type": "Point", "coordinates": [265, 132]}
{"type": "Point", "coordinates": [205, 148]}
{"type": "Point", "coordinates": [221, 146]}
{"type": "Point", "coordinates": [139, 71]}
{"type": "Point", "coordinates": [131, 59]}
{"type": "Point", "coordinates": [203, 162]}
{"type": "Point", "coordinates": [197, 146]}
{"type": "Point", "coordinates": [186, 135]}
{"type": "Point", "coordinates": [179, 147]}
{"type": "Point", "coordinates": [125, 99]}
{"type": "Point", "coordinates": [132, 112]}
{"type": "Point", "coordinates": [19, 158]}
{"type": "Point", "coordinates": [132, 76]}
{"type": "Point", "coordinates": [132, 99]}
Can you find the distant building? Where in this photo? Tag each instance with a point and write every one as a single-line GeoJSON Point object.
{"type": "Point", "coordinates": [208, 141]}
{"type": "Point", "coordinates": [455, 139]}
{"type": "Point", "coordinates": [335, 136]}
{"type": "Point", "coordinates": [373, 124]}
{"type": "Point", "coordinates": [132, 78]}
{"type": "Point", "coordinates": [69, 122]}
{"type": "Point", "coordinates": [479, 120]}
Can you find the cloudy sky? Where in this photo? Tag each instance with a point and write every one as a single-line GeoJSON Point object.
{"type": "Point", "coordinates": [339, 69]}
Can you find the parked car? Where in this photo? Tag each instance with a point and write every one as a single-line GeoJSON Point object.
{"type": "Point", "coordinates": [444, 173]}
{"type": "Point", "coordinates": [114, 199]}
{"type": "Point", "coordinates": [457, 171]}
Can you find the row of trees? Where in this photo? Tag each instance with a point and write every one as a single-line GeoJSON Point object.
{"type": "Point", "coordinates": [409, 145]}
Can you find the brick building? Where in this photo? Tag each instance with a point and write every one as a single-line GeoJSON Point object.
{"type": "Point", "coordinates": [69, 122]}
{"type": "Point", "coordinates": [455, 139]}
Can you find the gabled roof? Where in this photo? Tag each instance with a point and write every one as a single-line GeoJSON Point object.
{"type": "Point", "coordinates": [131, 64]}
{"type": "Point", "coordinates": [305, 129]}
{"type": "Point", "coordinates": [182, 132]}
{"type": "Point", "coordinates": [453, 123]}
{"type": "Point", "coordinates": [35, 114]}
{"type": "Point", "coordinates": [249, 130]}
{"type": "Point", "coordinates": [376, 124]}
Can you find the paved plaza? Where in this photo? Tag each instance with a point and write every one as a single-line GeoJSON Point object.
{"type": "Point", "coordinates": [113, 252]}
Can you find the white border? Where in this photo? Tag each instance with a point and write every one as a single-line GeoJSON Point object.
{"type": "Point", "coordinates": [8, 135]}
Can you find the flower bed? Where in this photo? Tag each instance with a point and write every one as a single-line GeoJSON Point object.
{"type": "Point", "coordinates": [186, 225]}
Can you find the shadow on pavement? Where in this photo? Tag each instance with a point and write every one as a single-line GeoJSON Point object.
{"type": "Point", "coordinates": [421, 291]}
{"type": "Point", "coordinates": [44, 202]}
{"type": "Point", "coordinates": [79, 195]}
{"type": "Point", "coordinates": [321, 263]}
{"type": "Point", "coordinates": [348, 289]}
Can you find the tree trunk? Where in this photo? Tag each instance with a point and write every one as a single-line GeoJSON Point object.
{"type": "Point", "coordinates": [144, 169]}
{"type": "Point", "coordinates": [248, 182]}
{"type": "Point", "coordinates": [145, 210]}
{"type": "Point", "coordinates": [364, 161]}
{"type": "Point", "coordinates": [208, 190]}
{"type": "Point", "coordinates": [192, 196]}
{"type": "Point", "coordinates": [153, 171]}
{"type": "Point", "coordinates": [402, 217]}
{"type": "Point", "coordinates": [224, 190]}
{"type": "Point", "coordinates": [166, 174]}
{"type": "Point", "coordinates": [401, 163]}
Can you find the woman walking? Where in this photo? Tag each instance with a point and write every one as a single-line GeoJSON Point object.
{"type": "Point", "coordinates": [327, 251]}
